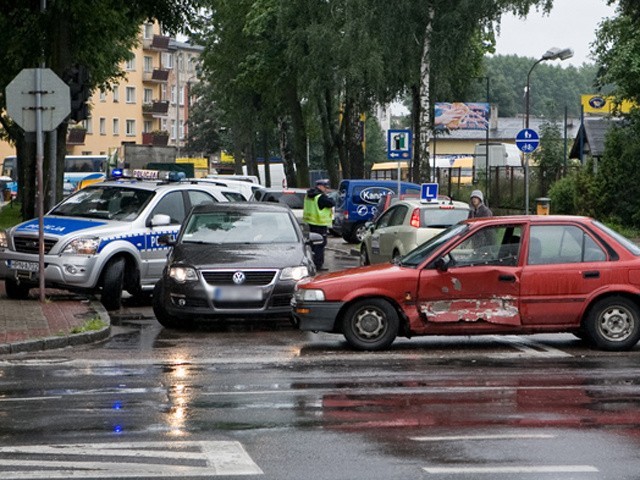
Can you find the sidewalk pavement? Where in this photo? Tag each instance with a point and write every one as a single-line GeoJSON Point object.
{"type": "Point", "coordinates": [28, 325]}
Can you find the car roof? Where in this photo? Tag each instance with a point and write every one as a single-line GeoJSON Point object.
{"type": "Point", "coordinates": [539, 219]}
{"type": "Point", "coordinates": [281, 189]}
{"type": "Point", "coordinates": [414, 202]}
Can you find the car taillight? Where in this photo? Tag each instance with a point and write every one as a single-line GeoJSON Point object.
{"type": "Point", "coordinates": [345, 214]}
{"type": "Point", "coordinates": [415, 218]}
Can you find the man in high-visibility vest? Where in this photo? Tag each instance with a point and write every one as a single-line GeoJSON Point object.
{"type": "Point", "coordinates": [318, 214]}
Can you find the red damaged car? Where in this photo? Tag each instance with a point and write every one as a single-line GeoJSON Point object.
{"type": "Point", "coordinates": [500, 275]}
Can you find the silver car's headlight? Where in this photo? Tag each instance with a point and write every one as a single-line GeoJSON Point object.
{"type": "Point", "coordinates": [4, 239]}
{"type": "Point", "coordinates": [83, 246]}
{"type": "Point", "coordinates": [294, 273]}
{"type": "Point", "coordinates": [183, 274]}
{"type": "Point", "coordinates": [309, 295]}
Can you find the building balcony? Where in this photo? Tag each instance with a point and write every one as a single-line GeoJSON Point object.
{"type": "Point", "coordinates": [75, 136]}
{"type": "Point", "coordinates": [157, 138]}
{"type": "Point", "coordinates": [156, 109]}
{"type": "Point", "coordinates": [158, 43]}
{"type": "Point", "coordinates": [158, 75]}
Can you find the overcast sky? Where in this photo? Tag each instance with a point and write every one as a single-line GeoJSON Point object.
{"type": "Point", "coordinates": [571, 24]}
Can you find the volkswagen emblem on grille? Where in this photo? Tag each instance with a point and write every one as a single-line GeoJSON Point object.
{"type": "Point", "coordinates": [239, 278]}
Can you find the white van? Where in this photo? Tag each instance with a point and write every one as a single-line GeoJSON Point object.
{"type": "Point", "coordinates": [246, 188]}
{"type": "Point", "coordinates": [500, 155]}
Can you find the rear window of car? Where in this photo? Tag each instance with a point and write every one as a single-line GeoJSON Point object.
{"type": "Point", "coordinates": [291, 199]}
{"type": "Point", "coordinates": [442, 217]}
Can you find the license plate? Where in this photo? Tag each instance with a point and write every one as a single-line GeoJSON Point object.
{"type": "Point", "coordinates": [23, 265]}
{"type": "Point", "coordinates": [237, 294]}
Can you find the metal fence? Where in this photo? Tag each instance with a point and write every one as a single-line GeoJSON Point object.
{"type": "Point", "coordinates": [506, 191]}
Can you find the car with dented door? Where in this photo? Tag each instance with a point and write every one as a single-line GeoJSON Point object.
{"type": "Point", "coordinates": [499, 275]}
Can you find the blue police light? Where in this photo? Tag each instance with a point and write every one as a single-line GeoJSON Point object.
{"type": "Point", "coordinates": [117, 173]}
{"type": "Point", "coordinates": [176, 176]}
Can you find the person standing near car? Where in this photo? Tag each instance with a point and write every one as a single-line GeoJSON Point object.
{"type": "Point", "coordinates": [318, 214]}
{"type": "Point", "coordinates": [478, 208]}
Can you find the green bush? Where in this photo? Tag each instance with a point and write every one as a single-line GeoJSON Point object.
{"type": "Point", "coordinates": [563, 195]}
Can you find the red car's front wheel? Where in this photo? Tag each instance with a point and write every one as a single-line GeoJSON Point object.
{"type": "Point", "coordinates": [370, 324]}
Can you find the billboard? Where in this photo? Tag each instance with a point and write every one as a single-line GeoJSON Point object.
{"type": "Point", "coordinates": [603, 105]}
{"type": "Point", "coordinates": [461, 116]}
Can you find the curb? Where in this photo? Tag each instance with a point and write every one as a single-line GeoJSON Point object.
{"type": "Point", "coordinates": [69, 340]}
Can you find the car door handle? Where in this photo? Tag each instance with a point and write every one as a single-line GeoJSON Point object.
{"type": "Point", "coordinates": [591, 274]}
{"type": "Point", "coordinates": [506, 278]}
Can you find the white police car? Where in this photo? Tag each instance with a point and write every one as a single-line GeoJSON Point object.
{"type": "Point", "coordinates": [103, 239]}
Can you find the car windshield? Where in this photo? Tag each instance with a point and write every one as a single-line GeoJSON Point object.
{"type": "Point", "coordinates": [105, 202]}
{"type": "Point", "coordinates": [240, 226]}
{"type": "Point", "coordinates": [420, 254]}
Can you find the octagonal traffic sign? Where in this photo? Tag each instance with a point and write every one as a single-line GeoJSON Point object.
{"type": "Point", "coordinates": [21, 95]}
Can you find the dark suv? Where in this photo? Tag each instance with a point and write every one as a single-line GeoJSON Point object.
{"type": "Point", "coordinates": [233, 260]}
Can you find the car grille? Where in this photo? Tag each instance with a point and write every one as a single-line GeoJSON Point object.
{"type": "Point", "coordinates": [252, 277]}
{"type": "Point", "coordinates": [239, 306]}
{"type": "Point", "coordinates": [30, 244]}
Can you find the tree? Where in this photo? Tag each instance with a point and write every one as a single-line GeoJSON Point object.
{"type": "Point", "coordinates": [549, 158]}
{"type": "Point", "coordinates": [64, 36]}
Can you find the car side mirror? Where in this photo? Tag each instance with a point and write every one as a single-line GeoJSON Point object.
{"type": "Point", "coordinates": [160, 220]}
{"type": "Point", "coordinates": [166, 240]}
{"type": "Point", "coordinates": [315, 239]}
{"type": "Point", "coordinates": [441, 264]}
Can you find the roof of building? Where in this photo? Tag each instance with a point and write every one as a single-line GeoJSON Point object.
{"type": "Point", "coordinates": [591, 137]}
{"type": "Point", "coordinates": [507, 129]}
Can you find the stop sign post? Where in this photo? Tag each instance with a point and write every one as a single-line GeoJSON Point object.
{"type": "Point", "coordinates": [22, 95]}
{"type": "Point", "coordinates": [38, 100]}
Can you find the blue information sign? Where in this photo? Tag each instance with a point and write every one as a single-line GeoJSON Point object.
{"type": "Point", "coordinates": [429, 192]}
{"type": "Point", "coordinates": [399, 144]}
{"type": "Point", "coordinates": [527, 140]}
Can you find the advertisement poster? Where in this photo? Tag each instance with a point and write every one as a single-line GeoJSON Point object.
{"type": "Point", "coordinates": [461, 116]}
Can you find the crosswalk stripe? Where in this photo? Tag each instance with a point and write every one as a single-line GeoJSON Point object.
{"type": "Point", "coordinates": [213, 458]}
{"type": "Point", "coordinates": [513, 469]}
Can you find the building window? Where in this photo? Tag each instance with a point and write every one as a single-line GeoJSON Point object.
{"type": "Point", "coordinates": [103, 126]}
{"type": "Point", "coordinates": [181, 130]}
{"type": "Point", "coordinates": [116, 93]}
{"type": "Point", "coordinates": [148, 64]}
{"type": "Point", "coordinates": [147, 126]}
{"type": "Point", "coordinates": [163, 124]}
{"type": "Point", "coordinates": [173, 94]}
{"type": "Point", "coordinates": [88, 125]}
{"type": "Point", "coordinates": [173, 129]}
{"type": "Point", "coordinates": [131, 94]}
{"type": "Point", "coordinates": [131, 65]}
{"type": "Point", "coordinates": [163, 92]}
{"type": "Point", "coordinates": [131, 128]}
{"type": "Point", "coordinates": [148, 30]}
{"type": "Point", "coordinates": [103, 96]}
{"type": "Point", "coordinates": [167, 60]}
{"type": "Point", "coordinates": [116, 126]}
{"type": "Point", "coordinates": [181, 95]}
{"type": "Point", "coordinates": [148, 95]}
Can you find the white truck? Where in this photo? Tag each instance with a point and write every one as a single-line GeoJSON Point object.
{"type": "Point", "coordinates": [500, 155]}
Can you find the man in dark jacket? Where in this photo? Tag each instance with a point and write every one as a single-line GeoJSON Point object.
{"type": "Point", "coordinates": [318, 214]}
{"type": "Point", "coordinates": [478, 208]}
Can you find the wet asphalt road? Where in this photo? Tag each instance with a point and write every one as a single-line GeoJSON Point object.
{"type": "Point", "coordinates": [266, 401]}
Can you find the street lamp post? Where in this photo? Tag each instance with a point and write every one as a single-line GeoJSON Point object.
{"type": "Point", "coordinates": [551, 54]}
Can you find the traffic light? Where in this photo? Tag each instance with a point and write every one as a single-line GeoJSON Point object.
{"type": "Point", "coordinates": [77, 77]}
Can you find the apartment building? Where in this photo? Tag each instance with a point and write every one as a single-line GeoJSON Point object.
{"type": "Point", "coordinates": [150, 106]}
